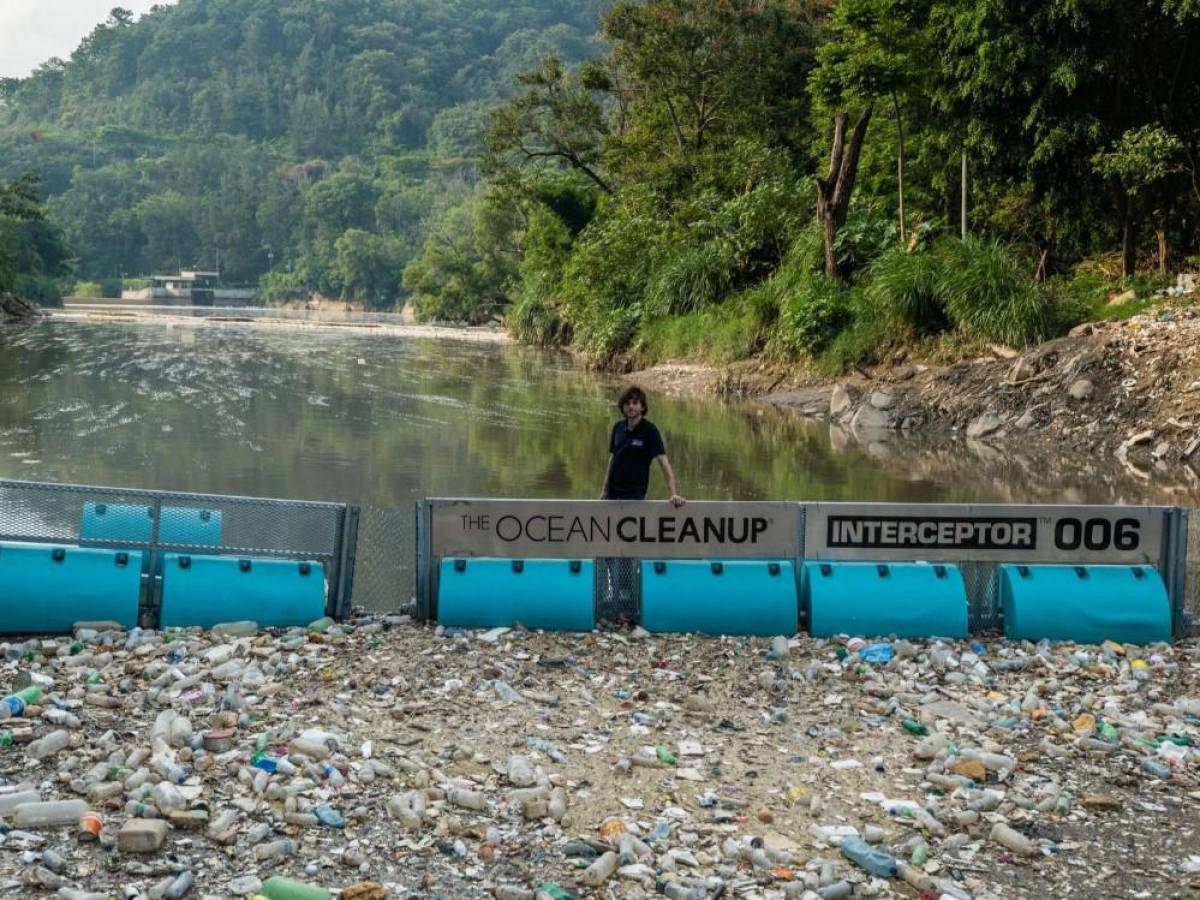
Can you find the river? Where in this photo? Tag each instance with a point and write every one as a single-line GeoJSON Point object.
{"type": "Point", "coordinates": [384, 418]}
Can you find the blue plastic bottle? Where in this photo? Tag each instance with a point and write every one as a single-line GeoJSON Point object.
{"type": "Point", "coordinates": [874, 861]}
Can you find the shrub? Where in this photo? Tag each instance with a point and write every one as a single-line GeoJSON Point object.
{"type": "Point", "coordinates": [689, 277]}
{"type": "Point", "coordinates": [811, 315]}
{"type": "Point", "coordinates": [858, 344]}
{"type": "Point", "coordinates": [110, 288]}
{"type": "Point", "coordinates": [904, 286]}
{"type": "Point", "coordinates": [983, 289]}
{"type": "Point", "coordinates": [41, 289]}
{"type": "Point", "coordinates": [89, 289]}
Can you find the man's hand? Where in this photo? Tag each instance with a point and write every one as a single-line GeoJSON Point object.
{"type": "Point", "coordinates": [677, 501]}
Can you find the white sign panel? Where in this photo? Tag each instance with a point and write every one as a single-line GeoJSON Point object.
{"type": "Point", "coordinates": [984, 532]}
{"type": "Point", "coordinates": [588, 529]}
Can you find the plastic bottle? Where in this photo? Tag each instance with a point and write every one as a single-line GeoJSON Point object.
{"type": "Point", "coordinates": [876, 653]}
{"type": "Point", "coordinates": [867, 857]}
{"type": "Point", "coordinates": [1013, 840]}
{"type": "Point", "coordinates": [520, 771]}
{"type": "Point", "coordinates": [14, 705]}
{"type": "Point", "coordinates": [321, 625]}
{"type": "Point", "coordinates": [1155, 768]}
{"type": "Point", "coordinates": [167, 797]}
{"type": "Point", "coordinates": [180, 885]}
{"type": "Point", "coordinates": [600, 871]}
{"type": "Point", "coordinates": [9, 802]}
{"type": "Point", "coordinates": [278, 888]}
{"type": "Point", "coordinates": [49, 814]}
{"type": "Point", "coordinates": [50, 744]}
{"type": "Point", "coordinates": [275, 850]}
{"type": "Point", "coordinates": [466, 799]}
{"type": "Point", "coordinates": [329, 816]}
{"type": "Point", "coordinates": [241, 628]}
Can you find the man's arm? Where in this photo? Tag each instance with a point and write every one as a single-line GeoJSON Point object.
{"type": "Point", "coordinates": [669, 475]}
{"type": "Point", "coordinates": [607, 469]}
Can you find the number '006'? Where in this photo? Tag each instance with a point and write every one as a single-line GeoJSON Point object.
{"type": "Point", "coordinates": [1097, 534]}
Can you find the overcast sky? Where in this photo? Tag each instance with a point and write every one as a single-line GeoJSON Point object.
{"type": "Point", "coordinates": [32, 31]}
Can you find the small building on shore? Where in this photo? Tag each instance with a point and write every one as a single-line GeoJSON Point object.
{"type": "Point", "coordinates": [191, 288]}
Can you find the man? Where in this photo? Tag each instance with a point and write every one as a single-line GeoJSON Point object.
{"type": "Point", "coordinates": [634, 443]}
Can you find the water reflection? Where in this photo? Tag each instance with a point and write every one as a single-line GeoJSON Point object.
{"type": "Point", "coordinates": [382, 419]}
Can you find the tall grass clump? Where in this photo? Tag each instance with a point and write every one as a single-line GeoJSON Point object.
{"type": "Point", "coordinates": [984, 290]}
{"type": "Point", "coordinates": [688, 277]}
{"type": "Point", "coordinates": [905, 286]}
{"type": "Point", "coordinates": [811, 314]}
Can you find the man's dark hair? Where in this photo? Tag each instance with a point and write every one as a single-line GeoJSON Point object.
{"type": "Point", "coordinates": [633, 392]}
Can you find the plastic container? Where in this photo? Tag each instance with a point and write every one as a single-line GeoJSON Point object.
{"type": "Point", "coordinates": [50, 744]}
{"type": "Point", "coordinates": [278, 888]}
{"type": "Point", "coordinates": [49, 814]}
{"type": "Point", "coordinates": [867, 857]}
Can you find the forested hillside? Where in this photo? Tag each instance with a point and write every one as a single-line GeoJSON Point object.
{"type": "Point", "coordinates": [666, 178]}
{"type": "Point", "coordinates": [308, 139]}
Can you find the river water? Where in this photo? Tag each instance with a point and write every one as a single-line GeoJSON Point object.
{"type": "Point", "coordinates": [385, 418]}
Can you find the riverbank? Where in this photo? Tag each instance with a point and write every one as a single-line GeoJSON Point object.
{"type": "Point", "coordinates": [384, 758]}
{"type": "Point", "coordinates": [278, 318]}
{"type": "Point", "coordinates": [1128, 390]}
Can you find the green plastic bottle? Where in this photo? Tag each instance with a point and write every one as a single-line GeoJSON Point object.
{"type": "Point", "coordinates": [321, 625]}
{"type": "Point", "coordinates": [664, 755]}
{"type": "Point", "coordinates": [1107, 732]}
{"type": "Point", "coordinates": [278, 888]}
{"type": "Point", "coordinates": [553, 890]}
{"type": "Point", "coordinates": [5, 738]}
{"type": "Point", "coordinates": [912, 726]}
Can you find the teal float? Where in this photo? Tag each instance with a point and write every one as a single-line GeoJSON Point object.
{"type": "Point", "coordinates": [909, 600]}
{"type": "Point", "coordinates": [1087, 604]}
{"type": "Point", "coordinates": [554, 594]}
{"type": "Point", "coordinates": [47, 588]}
{"type": "Point", "coordinates": [752, 597]}
{"type": "Point", "coordinates": [205, 590]}
{"type": "Point", "coordinates": [194, 526]}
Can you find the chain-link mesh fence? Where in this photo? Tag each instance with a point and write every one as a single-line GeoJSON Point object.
{"type": "Point", "coordinates": [385, 568]}
{"type": "Point", "coordinates": [618, 590]}
{"type": "Point", "coordinates": [982, 581]}
{"type": "Point", "coordinates": [163, 521]}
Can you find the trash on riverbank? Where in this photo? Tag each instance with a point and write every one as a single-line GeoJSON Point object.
{"type": "Point", "coordinates": [385, 758]}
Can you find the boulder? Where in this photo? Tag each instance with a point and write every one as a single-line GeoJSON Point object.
{"type": "Point", "coordinates": [868, 417]}
{"type": "Point", "coordinates": [13, 310]}
{"type": "Point", "coordinates": [1081, 389]}
{"type": "Point", "coordinates": [840, 401]}
{"type": "Point", "coordinates": [1022, 370]}
{"type": "Point", "coordinates": [882, 400]}
{"type": "Point", "coordinates": [984, 425]}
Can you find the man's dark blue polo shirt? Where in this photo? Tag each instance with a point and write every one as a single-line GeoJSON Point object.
{"type": "Point", "coordinates": [632, 453]}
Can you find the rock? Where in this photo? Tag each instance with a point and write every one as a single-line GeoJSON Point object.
{"type": "Point", "coordinates": [13, 310]}
{"type": "Point", "coordinates": [840, 401]}
{"type": "Point", "coordinates": [984, 425]}
{"type": "Point", "coordinates": [1082, 330]}
{"type": "Point", "coordinates": [1161, 449]}
{"type": "Point", "coordinates": [1027, 420]}
{"type": "Point", "coordinates": [1081, 389]}
{"type": "Point", "coordinates": [1190, 450]}
{"type": "Point", "coordinates": [1003, 351]}
{"type": "Point", "coordinates": [1022, 370]}
{"type": "Point", "coordinates": [142, 835]}
{"type": "Point", "coordinates": [1186, 282]}
{"type": "Point", "coordinates": [868, 417]}
{"type": "Point", "coordinates": [881, 400]}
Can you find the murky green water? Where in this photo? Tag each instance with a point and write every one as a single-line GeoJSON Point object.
{"type": "Point", "coordinates": [382, 420]}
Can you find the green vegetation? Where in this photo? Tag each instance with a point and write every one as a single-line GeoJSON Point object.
{"type": "Point", "coordinates": [32, 253]}
{"type": "Point", "coordinates": [709, 180]}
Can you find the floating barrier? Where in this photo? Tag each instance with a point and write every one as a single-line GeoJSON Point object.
{"type": "Point", "coordinates": [554, 594]}
{"type": "Point", "coordinates": [48, 588]}
{"type": "Point", "coordinates": [720, 597]}
{"type": "Point", "coordinates": [205, 590]}
{"type": "Point", "coordinates": [1087, 604]}
{"type": "Point", "coordinates": [135, 523]}
{"type": "Point", "coordinates": [908, 600]}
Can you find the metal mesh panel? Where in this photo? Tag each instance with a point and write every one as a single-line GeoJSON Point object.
{"type": "Point", "coordinates": [163, 521]}
{"type": "Point", "coordinates": [617, 591]}
{"type": "Point", "coordinates": [385, 568]}
{"type": "Point", "coordinates": [982, 580]}
{"type": "Point", "coordinates": [201, 523]}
